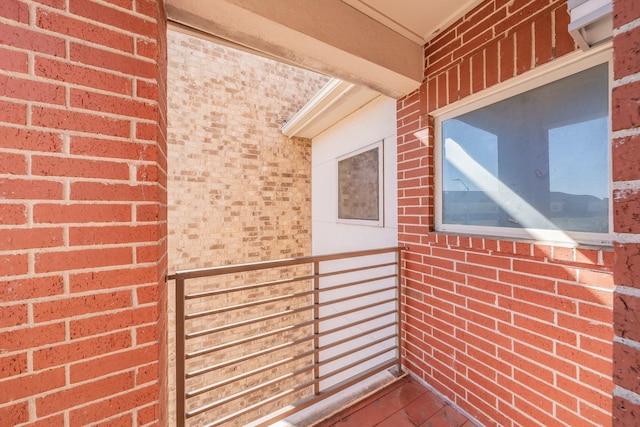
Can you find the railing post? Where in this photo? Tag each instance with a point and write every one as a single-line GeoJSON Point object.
{"type": "Point", "coordinates": [399, 305]}
{"type": "Point", "coordinates": [316, 327]}
{"type": "Point", "coordinates": [180, 355]}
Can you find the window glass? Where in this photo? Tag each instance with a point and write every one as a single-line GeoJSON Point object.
{"type": "Point", "coordinates": [537, 160]}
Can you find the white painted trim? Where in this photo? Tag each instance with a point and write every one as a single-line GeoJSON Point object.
{"type": "Point", "coordinates": [335, 101]}
{"type": "Point", "coordinates": [591, 22]}
{"type": "Point", "coordinates": [330, 93]}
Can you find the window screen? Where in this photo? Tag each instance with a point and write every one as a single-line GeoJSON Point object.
{"type": "Point", "coordinates": [537, 160]}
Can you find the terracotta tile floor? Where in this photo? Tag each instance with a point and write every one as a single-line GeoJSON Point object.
{"type": "Point", "coordinates": [405, 403]}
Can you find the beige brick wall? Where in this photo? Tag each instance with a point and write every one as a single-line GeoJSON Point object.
{"type": "Point", "coordinates": [239, 191]}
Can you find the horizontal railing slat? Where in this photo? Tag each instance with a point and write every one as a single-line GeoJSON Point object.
{"type": "Point", "coordinates": [283, 346]}
{"type": "Point", "coordinates": [262, 265]}
{"type": "Point", "coordinates": [279, 331]}
{"type": "Point", "coordinates": [364, 336]}
{"type": "Point", "coordinates": [281, 281]}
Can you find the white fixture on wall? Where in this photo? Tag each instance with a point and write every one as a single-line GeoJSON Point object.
{"type": "Point", "coordinates": [591, 22]}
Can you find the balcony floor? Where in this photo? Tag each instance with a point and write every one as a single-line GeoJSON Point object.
{"type": "Point", "coordinates": [405, 403]}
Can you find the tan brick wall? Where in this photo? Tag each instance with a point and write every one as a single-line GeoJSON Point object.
{"type": "Point", "coordinates": [239, 191]}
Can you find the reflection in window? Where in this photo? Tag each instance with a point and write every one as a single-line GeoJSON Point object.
{"type": "Point", "coordinates": [359, 185]}
{"type": "Point", "coordinates": [480, 145]}
{"type": "Point", "coordinates": [537, 160]}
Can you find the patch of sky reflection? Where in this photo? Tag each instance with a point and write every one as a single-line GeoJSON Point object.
{"type": "Point", "coordinates": [480, 145]}
{"type": "Point", "coordinates": [578, 159]}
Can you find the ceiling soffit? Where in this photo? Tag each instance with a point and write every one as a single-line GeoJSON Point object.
{"type": "Point", "coordinates": [374, 43]}
{"type": "Point", "coordinates": [418, 20]}
{"type": "Point", "coordinates": [326, 36]}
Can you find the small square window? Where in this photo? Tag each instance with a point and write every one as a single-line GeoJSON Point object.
{"type": "Point", "coordinates": [360, 186]}
{"type": "Point", "coordinates": [534, 164]}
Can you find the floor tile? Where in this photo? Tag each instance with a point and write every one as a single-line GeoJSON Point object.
{"type": "Point", "coordinates": [446, 417]}
{"type": "Point", "coordinates": [399, 419]}
{"type": "Point", "coordinates": [405, 403]}
{"type": "Point", "coordinates": [423, 408]}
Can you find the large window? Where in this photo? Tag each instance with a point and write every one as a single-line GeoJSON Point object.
{"type": "Point", "coordinates": [533, 164]}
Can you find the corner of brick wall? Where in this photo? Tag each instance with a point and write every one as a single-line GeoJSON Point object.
{"type": "Point", "coordinates": [82, 212]}
{"type": "Point", "coordinates": [626, 177]}
{"type": "Point", "coordinates": [514, 332]}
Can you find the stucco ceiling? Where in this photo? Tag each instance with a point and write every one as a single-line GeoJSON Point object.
{"type": "Point", "coordinates": [374, 43]}
{"type": "Point", "coordinates": [418, 20]}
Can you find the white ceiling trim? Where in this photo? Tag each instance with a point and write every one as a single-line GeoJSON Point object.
{"type": "Point", "coordinates": [417, 20]}
{"type": "Point", "coordinates": [335, 101]}
{"type": "Point", "coordinates": [385, 20]}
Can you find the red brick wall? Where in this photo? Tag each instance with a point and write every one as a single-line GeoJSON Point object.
{"type": "Point", "coordinates": [626, 176]}
{"type": "Point", "coordinates": [82, 212]}
{"type": "Point", "coordinates": [513, 332]}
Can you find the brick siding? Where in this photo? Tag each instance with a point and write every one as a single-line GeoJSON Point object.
{"type": "Point", "coordinates": [82, 213]}
{"type": "Point", "coordinates": [514, 332]}
{"type": "Point", "coordinates": [240, 191]}
{"type": "Point", "coordinates": [626, 177]}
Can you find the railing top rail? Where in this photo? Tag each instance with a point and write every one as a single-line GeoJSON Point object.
{"type": "Point", "coordinates": [262, 265]}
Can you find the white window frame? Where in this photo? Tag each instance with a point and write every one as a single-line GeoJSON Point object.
{"type": "Point", "coordinates": [372, 223]}
{"type": "Point", "coordinates": [558, 69]}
